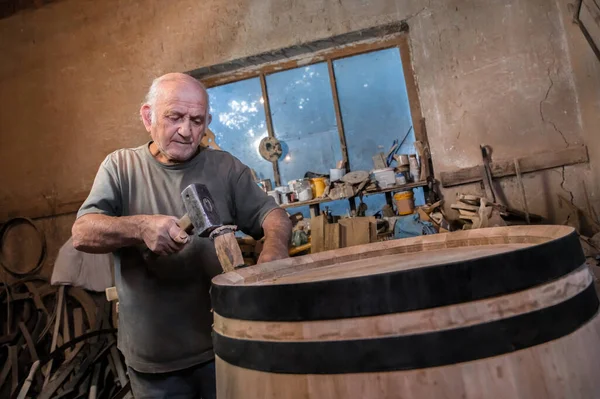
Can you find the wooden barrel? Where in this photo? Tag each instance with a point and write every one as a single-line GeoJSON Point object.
{"type": "Point", "coordinates": [505, 312]}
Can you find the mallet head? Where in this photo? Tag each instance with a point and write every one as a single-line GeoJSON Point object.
{"type": "Point", "coordinates": [201, 209]}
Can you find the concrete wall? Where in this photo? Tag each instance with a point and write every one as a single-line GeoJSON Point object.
{"type": "Point", "coordinates": [513, 74]}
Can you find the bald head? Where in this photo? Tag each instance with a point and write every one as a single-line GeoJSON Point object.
{"type": "Point", "coordinates": [176, 116]}
{"type": "Point", "coordinates": [165, 83]}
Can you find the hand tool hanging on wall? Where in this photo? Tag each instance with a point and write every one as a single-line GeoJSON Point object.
{"type": "Point", "coordinates": [487, 173]}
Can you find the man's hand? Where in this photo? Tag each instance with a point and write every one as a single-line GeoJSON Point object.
{"type": "Point", "coordinates": [99, 234]}
{"type": "Point", "coordinates": [271, 253]}
{"type": "Point", "coordinates": [278, 230]}
{"type": "Point", "coordinates": [162, 235]}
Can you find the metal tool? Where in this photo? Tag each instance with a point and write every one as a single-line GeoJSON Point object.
{"type": "Point", "coordinates": [487, 173]}
{"type": "Point", "coordinates": [203, 219]}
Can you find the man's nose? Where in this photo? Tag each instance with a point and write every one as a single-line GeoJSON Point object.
{"type": "Point", "coordinates": [185, 129]}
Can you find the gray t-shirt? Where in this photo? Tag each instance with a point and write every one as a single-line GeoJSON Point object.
{"type": "Point", "coordinates": [165, 314]}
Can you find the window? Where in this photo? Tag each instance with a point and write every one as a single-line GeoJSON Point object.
{"type": "Point", "coordinates": [346, 104]}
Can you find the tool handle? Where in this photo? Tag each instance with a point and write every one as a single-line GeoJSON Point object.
{"type": "Point", "coordinates": [185, 224]}
{"type": "Point", "coordinates": [228, 251]}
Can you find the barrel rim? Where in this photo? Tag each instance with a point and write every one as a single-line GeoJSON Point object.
{"type": "Point", "coordinates": [414, 289]}
{"type": "Point", "coordinates": [238, 277]}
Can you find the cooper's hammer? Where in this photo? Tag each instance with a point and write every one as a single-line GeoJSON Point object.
{"type": "Point", "coordinates": [203, 219]}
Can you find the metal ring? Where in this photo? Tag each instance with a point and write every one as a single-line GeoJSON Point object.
{"type": "Point", "coordinates": [4, 229]}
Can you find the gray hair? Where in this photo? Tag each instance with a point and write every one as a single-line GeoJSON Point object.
{"type": "Point", "coordinates": [155, 91]}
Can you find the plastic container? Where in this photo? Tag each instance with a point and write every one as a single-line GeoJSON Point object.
{"type": "Point", "coordinates": [305, 194]}
{"type": "Point", "coordinates": [318, 186]}
{"type": "Point", "coordinates": [400, 179]}
{"type": "Point", "coordinates": [385, 177]}
{"type": "Point", "coordinates": [265, 185]}
{"type": "Point", "coordinates": [275, 195]}
{"type": "Point", "coordinates": [405, 203]}
{"type": "Point", "coordinates": [415, 169]}
{"type": "Point", "coordinates": [336, 174]}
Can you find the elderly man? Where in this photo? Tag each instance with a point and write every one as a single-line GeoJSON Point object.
{"type": "Point", "coordinates": [134, 204]}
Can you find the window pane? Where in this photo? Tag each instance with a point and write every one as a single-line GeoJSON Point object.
{"type": "Point", "coordinates": [239, 123]}
{"type": "Point", "coordinates": [374, 105]}
{"type": "Point", "coordinates": [304, 120]}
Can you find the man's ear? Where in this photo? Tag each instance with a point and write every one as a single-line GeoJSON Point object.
{"type": "Point", "coordinates": [146, 115]}
{"type": "Point", "coordinates": [209, 119]}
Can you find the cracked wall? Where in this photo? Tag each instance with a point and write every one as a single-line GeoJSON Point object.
{"type": "Point", "coordinates": [512, 74]}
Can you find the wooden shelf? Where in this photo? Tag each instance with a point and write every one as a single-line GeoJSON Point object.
{"type": "Point", "coordinates": [318, 201]}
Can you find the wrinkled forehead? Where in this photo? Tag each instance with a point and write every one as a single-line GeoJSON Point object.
{"type": "Point", "coordinates": [184, 93]}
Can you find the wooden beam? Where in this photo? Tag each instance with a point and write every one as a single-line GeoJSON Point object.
{"type": "Point", "coordinates": [530, 163]}
{"type": "Point", "coordinates": [338, 116]}
{"type": "Point", "coordinates": [269, 121]}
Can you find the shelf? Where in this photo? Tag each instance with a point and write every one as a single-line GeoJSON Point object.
{"type": "Point", "coordinates": [318, 201]}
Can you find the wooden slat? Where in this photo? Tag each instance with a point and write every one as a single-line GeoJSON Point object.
{"type": "Point", "coordinates": [338, 115]}
{"type": "Point", "coordinates": [589, 21]}
{"type": "Point", "coordinates": [317, 234]}
{"type": "Point", "coordinates": [355, 231]}
{"type": "Point", "coordinates": [269, 121]}
{"type": "Point", "coordinates": [531, 163]}
{"type": "Point", "coordinates": [332, 236]}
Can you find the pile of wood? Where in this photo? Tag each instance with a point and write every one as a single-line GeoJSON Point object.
{"type": "Point", "coordinates": [351, 184]}
{"type": "Point", "coordinates": [58, 342]}
{"type": "Point", "coordinates": [477, 212]}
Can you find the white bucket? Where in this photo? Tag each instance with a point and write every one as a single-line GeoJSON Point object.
{"type": "Point", "coordinates": [275, 195]}
{"type": "Point", "coordinates": [385, 177]}
{"type": "Point", "coordinates": [336, 174]}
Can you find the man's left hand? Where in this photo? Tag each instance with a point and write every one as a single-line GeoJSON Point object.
{"type": "Point", "coordinates": [278, 230]}
{"type": "Point", "coordinates": [272, 253]}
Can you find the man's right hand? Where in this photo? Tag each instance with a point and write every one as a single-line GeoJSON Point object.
{"type": "Point", "coordinates": [162, 235]}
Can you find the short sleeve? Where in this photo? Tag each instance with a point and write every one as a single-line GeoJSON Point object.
{"type": "Point", "coordinates": [105, 197]}
{"type": "Point", "coordinates": [252, 204]}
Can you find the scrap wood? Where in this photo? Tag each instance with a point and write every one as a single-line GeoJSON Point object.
{"type": "Point", "coordinates": [430, 208]}
{"type": "Point", "coordinates": [32, 334]}
{"type": "Point", "coordinates": [464, 207]}
{"type": "Point", "coordinates": [469, 199]}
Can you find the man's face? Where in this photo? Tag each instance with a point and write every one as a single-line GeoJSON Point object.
{"type": "Point", "coordinates": [180, 120]}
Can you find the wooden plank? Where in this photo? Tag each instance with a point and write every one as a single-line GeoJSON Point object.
{"type": "Point", "coordinates": [589, 21]}
{"type": "Point", "coordinates": [338, 115]}
{"type": "Point", "coordinates": [530, 163]}
{"type": "Point", "coordinates": [466, 207]}
{"type": "Point", "coordinates": [332, 236]}
{"type": "Point", "coordinates": [269, 121]}
{"type": "Point", "coordinates": [355, 231]}
{"type": "Point", "coordinates": [372, 228]}
{"type": "Point", "coordinates": [317, 234]}
{"type": "Point", "coordinates": [66, 327]}
{"type": "Point", "coordinates": [59, 309]}
{"type": "Point", "coordinates": [78, 328]}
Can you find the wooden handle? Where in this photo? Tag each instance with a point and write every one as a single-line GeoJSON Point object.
{"type": "Point", "coordinates": [228, 251]}
{"type": "Point", "coordinates": [111, 294]}
{"type": "Point", "coordinates": [185, 224]}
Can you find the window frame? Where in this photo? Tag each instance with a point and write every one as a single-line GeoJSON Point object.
{"type": "Point", "coordinates": [399, 41]}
